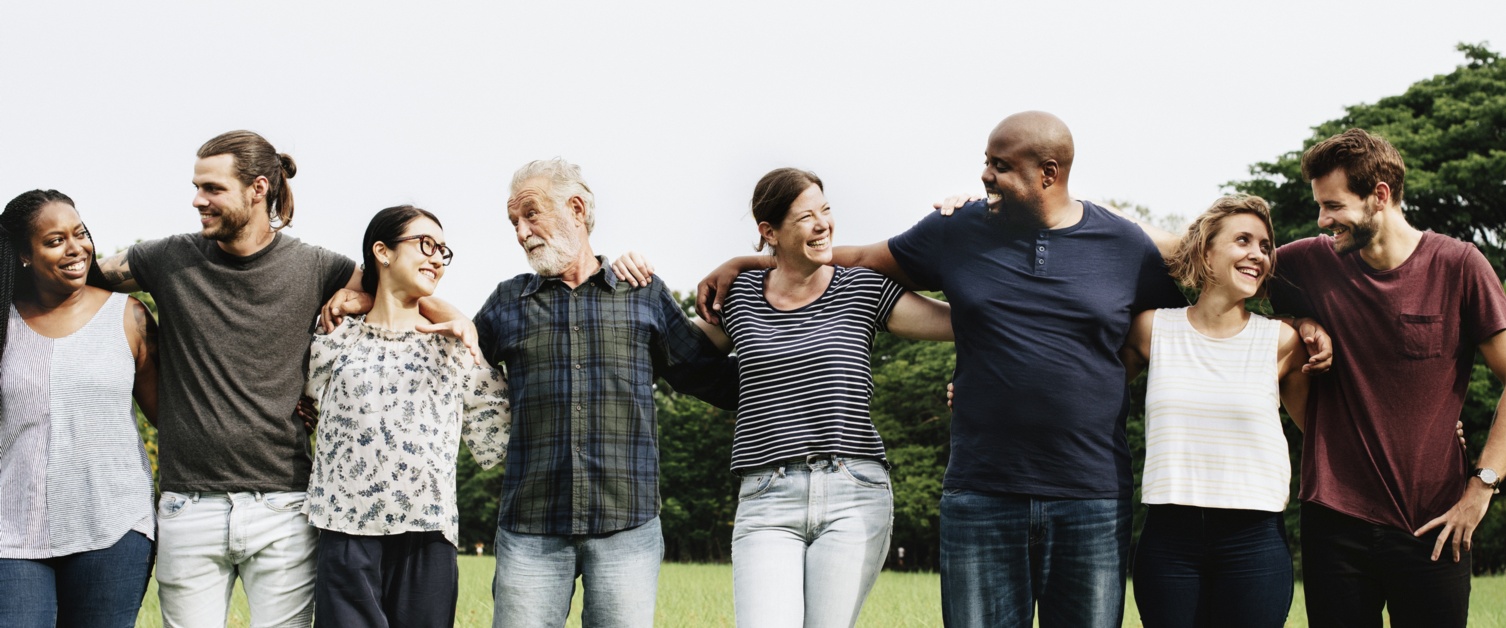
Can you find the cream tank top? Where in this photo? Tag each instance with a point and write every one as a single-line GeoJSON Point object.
{"type": "Point", "coordinates": [1213, 435]}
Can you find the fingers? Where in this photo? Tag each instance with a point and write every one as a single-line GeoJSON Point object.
{"type": "Point", "coordinates": [634, 268]}
{"type": "Point", "coordinates": [1459, 431]}
{"type": "Point", "coordinates": [702, 291]}
{"type": "Point", "coordinates": [948, 395]}
{"type": "Point", "coordinates": [723, 285]}
{"type": "Point", "coordinates": [1321, 351]}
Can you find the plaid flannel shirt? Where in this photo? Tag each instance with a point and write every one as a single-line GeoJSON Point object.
{"type": "Point", "coordinates": [581, 363]}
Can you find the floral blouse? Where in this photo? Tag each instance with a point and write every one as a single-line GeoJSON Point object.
{"type": "Point", "coordinates": [393, 408]}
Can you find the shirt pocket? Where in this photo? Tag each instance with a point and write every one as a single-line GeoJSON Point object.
{"type": "Point", "coordinates": [1421, 335]}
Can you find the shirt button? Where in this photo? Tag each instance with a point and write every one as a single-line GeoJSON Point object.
{"type": "Point", "coordinates": [1040, 248]}
{"type": "Point", "coordinates": [580, 406]}
{"type": "Point", "coordinates": [1038, 260]}
{"type": "Point", "coordinates": [575, 328]}
{"type": "Point", "coordinates": [577, 367]}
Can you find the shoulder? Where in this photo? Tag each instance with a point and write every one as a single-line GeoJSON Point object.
{"type": "Point", "coordinates": [509, 289]}
{"type": "Point", "coordinates": [1304, 249]}
{"type": "Point", "coordinates": [1450, 249]}
{"type": "Point", "coordinates": [173, 244]}
{"type": "Point", "coordinates": [346, 333]}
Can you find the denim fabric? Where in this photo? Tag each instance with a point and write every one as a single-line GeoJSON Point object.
{"type": "Point", "coordinates": [809, 541]}
{"type": "Point", "coordinates": [95, 589]}
{"type": "Point", "coordinates": [1003, 554]}
{"type": "Point", "coordinates": [1352, 568]}
{"type": "Point", "coordinates": [408, 580]}
{"type": "Point", "coordinates": [1212, 567]}
{"type": "Point", "coordinates": [206, 540]}
{"type": "Point", "coordinates": [536, 574]}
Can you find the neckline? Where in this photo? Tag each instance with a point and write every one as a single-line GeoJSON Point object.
{"type": "Point", "coordinates": [1187, 317]}
{"type": "Point", "coordinates": [763, 291]}
{"type": "Point", "coordinates": [92, 317]}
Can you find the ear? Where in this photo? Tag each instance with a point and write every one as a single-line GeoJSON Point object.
{"type": "Point", "coordinates": [1382, 194]}
{"type": "Point", "coordinates": [380, 253]}
{"type": "Point", "coordinates": [577, 207]}
{"type": "Point", "coordinates": [766, 231]}
{"type": "Point", "coordinates": [259, 189]}
{"type": "Point", "coordinates": [1050, 169]}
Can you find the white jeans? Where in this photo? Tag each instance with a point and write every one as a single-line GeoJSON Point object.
{"type": "Point", "coordinates": [206, 540]}
{"type": "Point", "coordinates": [809, 541]}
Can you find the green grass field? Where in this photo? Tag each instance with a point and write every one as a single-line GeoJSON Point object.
{"type": "Point", "coordinates": [701, 595]}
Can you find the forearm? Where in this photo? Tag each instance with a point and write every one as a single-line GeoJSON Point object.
{"type": "Point", "coordinates": [116, 270]}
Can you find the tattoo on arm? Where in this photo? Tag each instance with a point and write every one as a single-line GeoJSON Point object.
{"type": "Point", "coordinates": [116, 269]}
{"type": "Point", "coordinates": [146, 328]}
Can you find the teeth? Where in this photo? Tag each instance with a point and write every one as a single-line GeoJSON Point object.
{"type": "Point", "coordinates": [74, 266]}
{"type": "Point", "coordinates": [994, 197]}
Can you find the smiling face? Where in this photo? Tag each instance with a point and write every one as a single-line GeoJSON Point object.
{"type": "Point", "coordinates": [1010, 175]}
{"type": "Point", "coordinates": [1352, 219]}
{"type": "Point", "coordinates": [225, 206]}
{"type": "Point", "coordinates": [1239, 256]}
{"type": "Point", "coordinates": [61, 250]}
{"type": "Point", "coordinates": [546, 229]}
{"type": "Point", "coordinates": [804, 236]}
{"type": "Point", "coordinates": [404, 268]}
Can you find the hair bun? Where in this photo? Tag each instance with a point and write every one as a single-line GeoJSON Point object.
{"type": "Point", "coordinates": [289, 168]}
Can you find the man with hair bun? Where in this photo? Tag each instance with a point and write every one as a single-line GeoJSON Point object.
{"type": "Point", "coordinates": [237, 303]}
{"type": "Point", "coordinates": [1389, 499]}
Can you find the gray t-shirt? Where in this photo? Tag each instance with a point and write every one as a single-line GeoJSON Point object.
{"type": "Point", "coordinates": [235, 335]}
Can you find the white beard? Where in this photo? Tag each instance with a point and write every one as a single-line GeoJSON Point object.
{"type": "Point", "coordinates": [553, 258]}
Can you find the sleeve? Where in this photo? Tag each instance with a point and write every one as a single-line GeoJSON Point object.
{"type": "Point", "coordinates": [1155, 289]}
{"type": "Point", "coordinates": [922, 250]}
{"type": "Point", "coordinates": [1284, 288]}
{"type": "Point", "coordinates": [686, 358]}
{"type": "Point", "coordinates": [143, 257]}
{"type": "Point", "coordinates": [487, 423]}
{"type": "Point", "coordinates": [489, 328]}
{"type": "Point", "coordinates": [888, 297]}
{"type": "Point", "coordinates": [1483, 308]}
{"type": "Point", "coordinates": [336, 269]}
{"type": "Point", "coordinates": [323, 353]}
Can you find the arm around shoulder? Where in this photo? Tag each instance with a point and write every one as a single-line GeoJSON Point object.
{"type": "Point", "coordinates": [116, 270]}
{"type": "Point", "coordinates": [920, 317]}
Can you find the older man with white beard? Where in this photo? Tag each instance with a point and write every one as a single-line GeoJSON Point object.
{"type": "Point", "coordinates": [582, 350]}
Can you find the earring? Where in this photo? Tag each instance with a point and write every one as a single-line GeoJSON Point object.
{"type": "Point", "coordinates": [386, 263]}
{"type": "Point", "coordinates": [25, 264]}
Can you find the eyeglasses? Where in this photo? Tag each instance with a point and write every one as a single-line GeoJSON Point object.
{"type": "Point", "coordinates": [428, 246]}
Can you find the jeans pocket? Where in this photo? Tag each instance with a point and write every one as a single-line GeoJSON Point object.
{"type": "Point", "coordinates": [754, 485]}
{"type": "Point", "coordinates": [171, 504]}
{"type": "Point", "coordinates": [289, 501]}
{"type": "Point", "coordinates": [1421, 335]}
{"type": "Point", "coordinates": [866, 473]}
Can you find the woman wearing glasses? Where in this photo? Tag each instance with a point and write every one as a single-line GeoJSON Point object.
{"type": "Point", "coordinates": [395, 402]}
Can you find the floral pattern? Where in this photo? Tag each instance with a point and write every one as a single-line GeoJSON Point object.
{"type": "Point", "coordinates": [393, 409]}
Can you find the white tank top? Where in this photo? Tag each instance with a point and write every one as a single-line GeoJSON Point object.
{"type": "Point", "coordinates": [1213, 433]}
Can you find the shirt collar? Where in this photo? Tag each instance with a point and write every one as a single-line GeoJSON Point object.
{"type": "Point", "coordinates": [603, 276]}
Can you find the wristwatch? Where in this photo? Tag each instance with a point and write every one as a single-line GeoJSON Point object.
{"type": "Point", "coordinates": [1490, 478]}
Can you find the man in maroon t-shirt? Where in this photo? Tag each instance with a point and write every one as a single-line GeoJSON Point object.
{"type": "Point", "coordinates": [1386, 488]}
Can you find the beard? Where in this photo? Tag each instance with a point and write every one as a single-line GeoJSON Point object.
{"type": "Point", "coordinates": [553, 258]}
{"type": "Point", "coordinates": [1360, 235]}
{"type": "Point", "coordinates": [232, 222]}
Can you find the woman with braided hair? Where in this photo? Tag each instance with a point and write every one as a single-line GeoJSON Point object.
{"type": "Point", "coordinates": [76, 515]}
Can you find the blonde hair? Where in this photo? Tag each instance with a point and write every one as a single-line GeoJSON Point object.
{"type": "Point", "coordinates": [1189, 264]}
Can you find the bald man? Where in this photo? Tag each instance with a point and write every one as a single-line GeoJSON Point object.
{"type": "Point", "coordinates": [1042, 286]}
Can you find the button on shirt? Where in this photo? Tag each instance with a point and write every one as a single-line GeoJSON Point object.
{"type": "Point", "coordinates": [584, 456]}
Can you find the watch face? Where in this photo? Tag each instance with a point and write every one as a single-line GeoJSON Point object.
{"type": "Point", "coordinates": [1487, 476]}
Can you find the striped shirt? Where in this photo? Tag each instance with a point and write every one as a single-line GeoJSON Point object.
{"type": "Point", "coordinates": [805, 378]}
{"type": "Point", "coordinates": [1213, 433]}
{"type": "Point", "coordinates": [73, 474]}
{"type": "Point", "coordinates": [581, 363]}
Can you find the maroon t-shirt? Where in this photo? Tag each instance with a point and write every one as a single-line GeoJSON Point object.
{"type": "Point", "coordinates": [1380, 443]}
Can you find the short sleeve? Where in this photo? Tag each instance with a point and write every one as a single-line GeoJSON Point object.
{"type": "Point", "coordinates": [144, 258]}
{"type": "Point", "coordinates": [889, 295]}
{"type": "Point", "coordinates": [334, 268]}
{"type": "Point", "coordinates": [487, 413]}
{"type": "Point", "coordinates": [1483, 308]}
{"type": "Point", "coordinates": [1285, 288]}
{"type": "Point", "coordinates": [1155, 289]}
{"type": "Point", "coordinates": [921, 251]}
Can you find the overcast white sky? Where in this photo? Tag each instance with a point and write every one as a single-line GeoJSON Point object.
{"type": "Point", "coordinates": [674, 110]}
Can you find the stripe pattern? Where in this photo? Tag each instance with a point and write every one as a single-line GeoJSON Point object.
{"type": "Point", "coordinates": [1213, 434]}
{"type": "Point", "coordinates": [805, 376]}
{"type": "Point", "coordinates": [73, 474]}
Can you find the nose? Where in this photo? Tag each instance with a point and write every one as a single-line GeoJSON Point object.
{"type": "Point", "coordinates": [1325, 221]}
{"type": "Point", "coordinates": [199, 201]}
{"type": "Point", "coordinates": [524, 231]}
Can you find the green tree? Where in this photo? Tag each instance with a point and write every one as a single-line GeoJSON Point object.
{"type": "Point", "coordinates": [1451, 130]}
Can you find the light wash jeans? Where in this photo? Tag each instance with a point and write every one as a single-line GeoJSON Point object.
{"type": "Point", "coordinates": [536, 577]}
{"type": "Point", "coordinates": [1004, 555]}
{"type": "Point", "coordinates": [809, 541]}
{"type": "Point", "coordinates": [205, 540]}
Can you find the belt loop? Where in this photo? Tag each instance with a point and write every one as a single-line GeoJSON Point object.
{"type": "Point", "coordinates": [781, 471]}
{"type": "Point", "coordinates": [194, 497]}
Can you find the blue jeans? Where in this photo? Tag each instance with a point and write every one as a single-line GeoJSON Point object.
{"type": "Point", "coordinates": [809, 541]}
{"type": "Point", "coordinates": [100, 588]}
{"type": "Point", "coordinates": [1213, 567]}
{"type": "Point", "coordinates": [536, 577]}
{"type": "Point", "coordinates": [1001, 554]}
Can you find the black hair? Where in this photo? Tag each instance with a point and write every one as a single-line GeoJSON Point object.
{"type": "Point", "coordinates": [386, 225]}
{"type": "Point", "coordinates": [16, 225]}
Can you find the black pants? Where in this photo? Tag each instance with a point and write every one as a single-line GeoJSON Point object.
{"type": "Point", "coordinates": [1212, 568]}
{"type": "Point", "coordinates": [1352, 568]}
{"type": "Point", "coordinates": [402, 580]}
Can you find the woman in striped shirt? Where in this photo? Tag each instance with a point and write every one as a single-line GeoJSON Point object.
{"type": "Point", "coordinates": [1217, 474]}
{"type": "Point", "coordinates": [815, 509]}
{"type": "Point", "coordinates": [76, 517]}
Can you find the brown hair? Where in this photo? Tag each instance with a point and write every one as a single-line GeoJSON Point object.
{"type": "Point", "coordinates": [254, 157]}
{"type": "Point", "coordinates": [1189, 264]}
{"type": "Point", "coordinates": [776, 192]}
{"type": "Point", "coordinates": [1366, 159]}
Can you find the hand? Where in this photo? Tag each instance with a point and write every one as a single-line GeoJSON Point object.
{"type": "Point", "coordinates": [307, 411]}
{"type": "Point", "coordinates": [345, 301]}
{"type": "Point", "coordinates": [710, 292]}
{"type": "Point", "coordinates": [949, 395]}
{"type": "Point", "coordinates": [1459, 522]}
{"type": "Point", "coordinates": [460, 329]}
{"type": "Point", "coordinates": [1319, 346]}
{"type": "Point", "coordinates": [1459, 431]}
{"type": "Point", "coordinates": [633, 268]}
{"type": "Point", "coordinates": [952, 203]}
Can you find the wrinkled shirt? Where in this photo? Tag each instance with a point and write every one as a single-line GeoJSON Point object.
{"type": "Point", "coordinates": [393, 409]}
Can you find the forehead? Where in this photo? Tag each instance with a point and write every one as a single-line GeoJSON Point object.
{"type": "Point", "coordinates": [1333, 186]}
{"type": "Point", "coordinates": [1003, 144]}
{"type": "Point", "coordinates": [55, 216]}
{"type": "Point", "coordinates": [215, 168]}
{"type": "Point", "coordinates": [1243, 223]}
{"type": "Point", "coordinates": [422, 225]}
